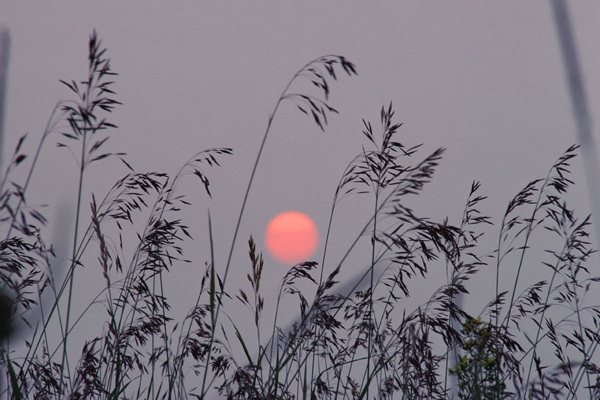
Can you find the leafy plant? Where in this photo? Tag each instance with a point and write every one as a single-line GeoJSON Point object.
{"type": "Point", "coordinates": [479, 368]}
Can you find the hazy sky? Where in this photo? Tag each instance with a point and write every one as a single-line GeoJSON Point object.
{"type": "Point", "coordinates": [483, 79]}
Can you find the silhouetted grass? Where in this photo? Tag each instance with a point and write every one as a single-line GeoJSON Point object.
{"type": "Point", "coordinates": [351, 340]}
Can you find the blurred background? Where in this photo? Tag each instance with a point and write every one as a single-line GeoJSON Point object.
{"type": "Point", "coordinates": [484, 80]}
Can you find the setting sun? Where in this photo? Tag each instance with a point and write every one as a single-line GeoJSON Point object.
{"type": "Point", "coordinates": [291, 237]}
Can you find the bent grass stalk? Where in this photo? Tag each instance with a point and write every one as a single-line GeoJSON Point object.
{"type": "Point", "coordinates": [318, 110]}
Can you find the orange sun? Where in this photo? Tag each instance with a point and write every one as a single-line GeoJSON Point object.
{"type": "Point", "coordinates": [291, 237]}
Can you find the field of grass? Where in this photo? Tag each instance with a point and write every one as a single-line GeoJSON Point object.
{"type": "Point", "coordinates": [528, 340]}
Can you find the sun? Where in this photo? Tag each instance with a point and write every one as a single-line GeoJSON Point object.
{"type": "Point", "coordinates": [291, 237]}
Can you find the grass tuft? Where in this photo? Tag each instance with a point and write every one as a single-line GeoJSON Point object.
{"type": "Point", "coordinates": [373, 336]}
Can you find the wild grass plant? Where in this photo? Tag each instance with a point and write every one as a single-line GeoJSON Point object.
{"type": "Point", "coordinates": [362, 339]}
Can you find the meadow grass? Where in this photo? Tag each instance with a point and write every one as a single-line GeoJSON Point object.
{"type": "Point", "coordinates": [352, 340]}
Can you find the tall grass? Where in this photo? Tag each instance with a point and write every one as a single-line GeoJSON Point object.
{"type": "Point", "coordinates": [359, 339]}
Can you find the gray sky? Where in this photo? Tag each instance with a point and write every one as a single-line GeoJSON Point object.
{"type": "Point", "coordinates": [482, 79]}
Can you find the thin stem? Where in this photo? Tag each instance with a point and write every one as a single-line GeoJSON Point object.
{"type": "Point", "coordinates": [50, 125]}
{"type": "Point", "coordinates": [65, 358]}
{"type": "Point", "coordinates": [372, 273]}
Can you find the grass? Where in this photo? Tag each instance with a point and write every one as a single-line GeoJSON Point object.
{"type": "Point", "coordinates": [360, 339]}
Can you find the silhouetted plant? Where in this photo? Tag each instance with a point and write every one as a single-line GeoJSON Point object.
{"type": "Point", "coordinates": [371, 337]}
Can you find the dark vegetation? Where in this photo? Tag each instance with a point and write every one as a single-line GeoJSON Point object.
{"type": "Point", "coordinates": [532, 340]}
